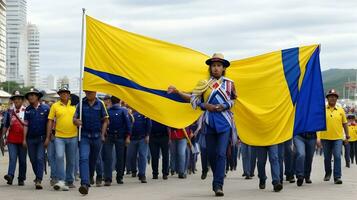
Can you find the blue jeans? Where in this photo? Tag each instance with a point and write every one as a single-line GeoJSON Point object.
{"type": "Point", "coordinates": [253, 160]}
{"type": "Point", "coordinates": [68, 146]}
{"type": "Point", "coordinates": [204, 159]}
{"type": "Point", "coordinates": [347, 153]}
{"type": "Point", "coordinates": [36, 151]}
{"type": "Point", "coordinates": [99, 167]}
{"type": "Point", "coordinates": [89, 149]}
{"type": "Point", "coordinates": [332, 147]}
{"type": "Point", "coordinates": [119, 145]}
{"type": "Point", "coordinates": [51, 153]}
{"type": "Point", "coordinates": [289, 156]}
{"type": "Point", "coordinates": [17, 151]}
{"type": "Point", "coordinates": [246, 155]}
{"type": "Point", "coordinates": [262, 154]}
{"type": "Point", "coordinates": [217, 144]}
{"type": "Point", "coordinates": [137, 153]}
{"type": "Point", "coordinates": [179, 156]}
{"type": "Point", "coordinates": [305, 148]}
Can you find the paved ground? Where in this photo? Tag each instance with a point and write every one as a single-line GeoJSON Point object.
{"type": "Point", "coordinates": [191, 188]}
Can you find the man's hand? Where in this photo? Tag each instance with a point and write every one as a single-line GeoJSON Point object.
{"type": "Point", "coordinates": [172, 90]}
{"type": "Point", "coordinates": [77, 122]}
{"type": "Point", "coordinates": [127, 141]}
{"type": "Point", "coordinates": [318, 143]}
{"type": "Point", "coordinates": [24, 143]}
{"type": "Point", "coordinates": [47, 142]}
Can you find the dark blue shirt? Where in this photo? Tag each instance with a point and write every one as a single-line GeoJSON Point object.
{"type": "Point", "coordinates": [92, 117]}
{"type": "Point", "coordinates": [119, 122]}
{"type": "Point", "coordinates": [36, 120]}
{"type": "Point", "coordinates": [141, 126]}
{"type": "Point", "coordinates": [158, 129]}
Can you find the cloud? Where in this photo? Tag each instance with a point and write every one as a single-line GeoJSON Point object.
{"type": "Point", "coordinates": [236, 28]}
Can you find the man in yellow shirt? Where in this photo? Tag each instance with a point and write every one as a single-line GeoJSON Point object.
{"type": "Point", "coordinates": [333, 137]}
{"type": "Point", "coordinates": [352, 130]}
{"type": "Point", "coordinates": [62, 113]}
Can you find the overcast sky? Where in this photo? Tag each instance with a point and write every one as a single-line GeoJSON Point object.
{"type": "Point", "coordinates": [238, 29]}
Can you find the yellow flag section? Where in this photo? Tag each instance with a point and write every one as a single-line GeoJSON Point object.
{"type": "Point", "coordinates": [268, 88]}
{"type": "Point", "coordinates": [139, 69]}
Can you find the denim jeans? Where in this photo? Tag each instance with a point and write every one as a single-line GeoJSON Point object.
{"type": "Point", "coordinates": [253, 160]}
{"type": "Point", "coordinates": [17, 151]}
{"type": "Point", "coordinates": [179, 156]}
{"type": "Point", "coordinates": [289, 156]}
{"type": "Point", "coordinates": [353, 151]}
{"type": "Point", "coordinates": [262, 154]}
{"type": "Point", "coordinates": [68, 146]}
{"type": "Point", "coordinates": [204, 159]}
{"type": "Point", "coordinates": [137, 153]}
{"type": "Point", "coordinates": [305, 148]}
{"type": "Point", "coordinates": [89, 149]}
{"type": "Point", "coordinates": [217, 144]}
{"type": "Point", "coordinates": [51, 153]}
{"type": "Point", "coordinates": [119, 146]}
{"type": "Point", "coordinates": [36, 151]}
{"type": "Point", "coordinates": [156, 145]}
{"type": "Point", "coordinates": [347, 153]}
{"type": "Point", "coordinates": [99, 166]}
{"type": "Point", "coordinates": [332, 147]}
{"type": "Point", "coordinates": [246, 155]}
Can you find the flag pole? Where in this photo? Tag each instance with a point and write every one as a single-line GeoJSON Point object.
{"type": "Point", "coordinates": [81, 67]}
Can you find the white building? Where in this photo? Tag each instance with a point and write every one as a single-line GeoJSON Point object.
{"type": "Point", "coordinates": [16, 39]}
{"type": "Point", "coordinates": [48, 83]}
{"type": "Point", "coordinates": [2, 41]}
{"type": "Point", "coordinates": [33, 48]}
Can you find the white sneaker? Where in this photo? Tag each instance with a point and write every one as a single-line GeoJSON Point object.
{"type": "Point", "coordinates": [60, 186]}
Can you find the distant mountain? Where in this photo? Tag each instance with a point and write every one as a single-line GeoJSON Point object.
{"type": "Point", "coordinates": [335, 78]}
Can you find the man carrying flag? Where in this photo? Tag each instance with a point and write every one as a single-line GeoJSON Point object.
{"type": "Point", "coordinates": [216, 97]}
{"type": "Point", "coordinates": [93, 126]}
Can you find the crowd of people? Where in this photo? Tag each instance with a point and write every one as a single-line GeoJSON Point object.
{"type": "Point", "coordinates": [91, 140]}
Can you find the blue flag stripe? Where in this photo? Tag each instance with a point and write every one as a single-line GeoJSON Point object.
{"type": "Point", "coordinates": [119, 80]}
{"type": "Point", "coordinates": [290, 58]}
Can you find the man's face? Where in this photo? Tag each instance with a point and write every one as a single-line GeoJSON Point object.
{"type": "Point", "coordinates": [217, 69]}
{"type": "Point", "coordinates": [332, 99]}
{"type": "Point", "coordinates": [32, 98]}
{"type": "Point", "coordinates": [107, 102]}
{"type": "Point", "coordinates": [90, 95]}
{"type": "Point", "coordinates": [18, 102]}
{"type": "Point", "coordinates": [64, 96]}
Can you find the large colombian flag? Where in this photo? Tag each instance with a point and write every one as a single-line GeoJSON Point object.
{"type": "Point", "coordinates": [279, 93]}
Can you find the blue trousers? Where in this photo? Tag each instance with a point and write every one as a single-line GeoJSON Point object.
{"type": "Point", "coordinates": [305, 148]}
{"type": "Point", "coordinates": [68, 146]}
{"type": "Point", "coordinates": [89, 150]}
{"type": "Point", "coordinates": [119, 145]}
{"type": "Point", "coordinates": [332, 147]}
{"type": "Point", "coordinates": [246, 159]}
{"type": "Point", "coordinates": [179, 155]}
{"type": "Point", "coordinates": [262, 154]}
{"type": "Point", "coordinates": [17, 151]}
{"type": "Point", "coordinates": [36, 152]}
{"type": "Point", "coordinates": [217, 144]}
{"type": "Point", "coordinates": [137, 154]}
{"type": "Point", "coordinates": [51, 153]}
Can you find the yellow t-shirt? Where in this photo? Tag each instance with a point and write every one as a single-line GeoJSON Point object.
{"type": "Point", "coordinates": [335, 118]}
{"type": "Point", "coordinates": [63, 114]}
{"type": "Point", "coordinates": [352, 130]}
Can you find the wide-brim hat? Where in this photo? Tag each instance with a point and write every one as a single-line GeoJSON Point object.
{"type": "Point", "coordinates": [16, 94]}
{"type": "Point", "coordinates": [218, 57]}
{"type": "Point", "coordinates": [63, 89]}
{"type": "Point", "coordinates": [332, 92]}
{"type": "Point", "coordinates": [34, 91]}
